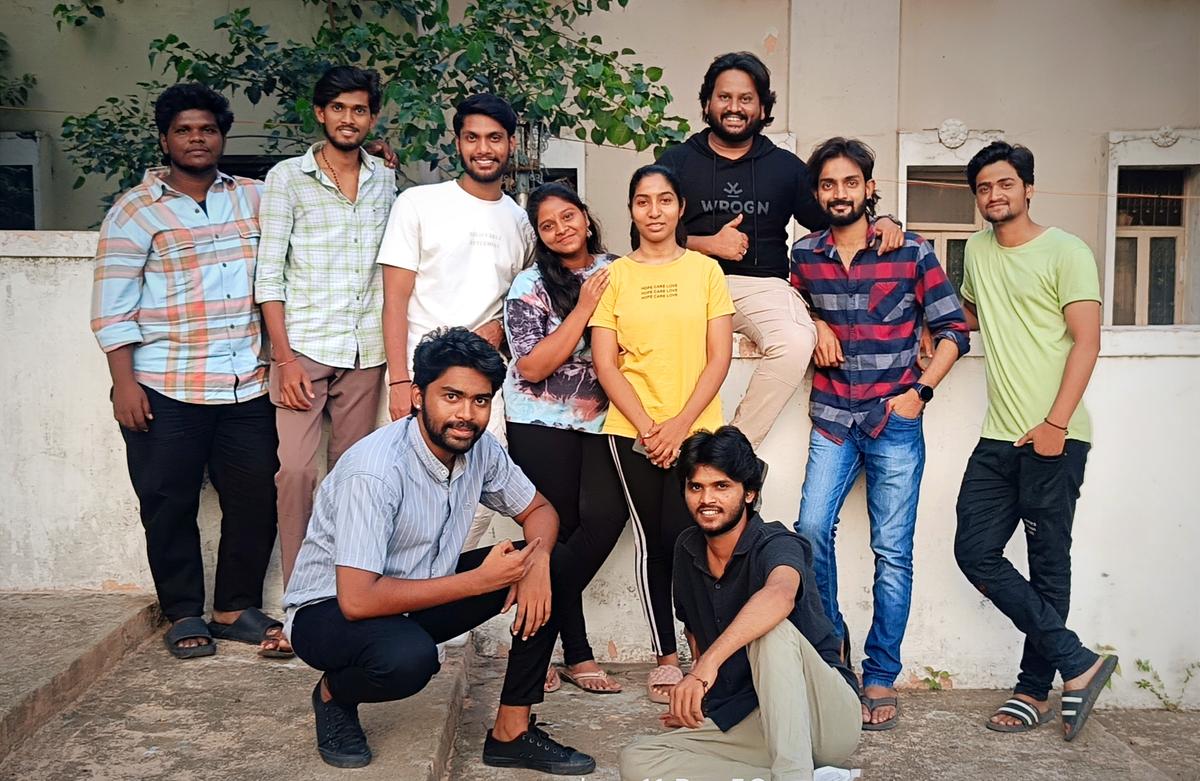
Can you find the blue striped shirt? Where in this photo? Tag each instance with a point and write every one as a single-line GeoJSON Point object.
{"type": "Point", "coordinates": [391, 507]}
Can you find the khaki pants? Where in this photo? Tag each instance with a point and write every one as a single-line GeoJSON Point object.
{"type": "Point", "coordinates": [771, 314]}
{"type": "Point", "coordinates": [483, 516]}
{"type": "Point", "coordinates": [351, 397]}
{"type": "Point", "coordinates": [808, 716]}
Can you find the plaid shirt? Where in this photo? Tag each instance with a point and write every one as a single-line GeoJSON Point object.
{"type": "Point", "coordinates": [875, 309]}
{"type": "Point", "coordinates": [317, 254]}
{"type": "Point", "coordinates": [176, 281]}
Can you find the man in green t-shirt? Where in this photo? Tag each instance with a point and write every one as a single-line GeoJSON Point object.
{"type": "Point", "coordinates": [1033, 292]}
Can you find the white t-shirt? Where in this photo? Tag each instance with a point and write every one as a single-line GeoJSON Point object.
{"type": "Point", "coordinates": [465, 252]}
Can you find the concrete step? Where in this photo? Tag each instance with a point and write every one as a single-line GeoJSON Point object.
{"type": "Point", "coordinates": [227, 717]}
{"type": "Point", "coordinates": [55, 644]}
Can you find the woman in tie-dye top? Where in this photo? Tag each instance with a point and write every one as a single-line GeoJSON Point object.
{"type": "Point", "coordinates": [555, 407]}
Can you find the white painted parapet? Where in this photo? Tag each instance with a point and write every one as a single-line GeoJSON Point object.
{"type": "Point", "coordinates": [68, 517]}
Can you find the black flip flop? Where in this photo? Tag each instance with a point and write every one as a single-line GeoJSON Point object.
{"type": "Point", "coordinates": [1077, 704]}
{"type": "Point", "coordinates": [877, 702]}
{"type": "Point", "coordinates": [251, 627]}
{"type": "Point", "coordinates": [1029, 716]}
{"type": "Point", "coordinates": [186, 629]}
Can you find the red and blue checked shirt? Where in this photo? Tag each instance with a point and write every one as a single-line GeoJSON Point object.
{"type": "Point", "coordinates": [177, 282]}
{"type": "Point", "coordinates": [876, 309]}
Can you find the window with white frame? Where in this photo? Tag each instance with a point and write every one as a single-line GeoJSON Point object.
{"type": "Point", "coordinates": [1149, 263]}
{"type": "Point", "coordinates": [941, 208]}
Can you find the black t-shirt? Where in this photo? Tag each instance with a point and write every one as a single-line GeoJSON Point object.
{"type": "Point", "coordinates": [707, 606]}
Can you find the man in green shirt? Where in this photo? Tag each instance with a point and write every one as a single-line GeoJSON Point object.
{"type": "Point", "coordinates": [1033, 292]}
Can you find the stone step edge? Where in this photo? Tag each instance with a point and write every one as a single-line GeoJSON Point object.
{"type": "Point", "coordinates": [440, 766]}
{"type": "Point", "coordinates": [40, 705]}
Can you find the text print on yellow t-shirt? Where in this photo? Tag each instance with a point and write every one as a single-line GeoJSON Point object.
{"type": "Point", "coordinates": [663, 290]}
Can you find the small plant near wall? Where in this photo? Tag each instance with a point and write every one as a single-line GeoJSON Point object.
{"type": "Point", "coordinates": [1154, 683]}
{"type": "Point", "coordinates": [1105, 650]}
{"type": "Point", "coordinates": [936, 680]}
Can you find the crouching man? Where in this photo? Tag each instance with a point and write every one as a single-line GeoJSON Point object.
{"type": "Point", "coordinates": [379, 580]}
{"type": "Point", "coordinates": [767, 696]}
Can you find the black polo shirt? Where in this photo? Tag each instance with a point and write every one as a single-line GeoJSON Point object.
{"type": "Point", "coordinates": [707, 606]}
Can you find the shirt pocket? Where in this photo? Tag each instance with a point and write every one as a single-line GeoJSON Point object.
{"type": "Point", "coordinates": [890, 302]}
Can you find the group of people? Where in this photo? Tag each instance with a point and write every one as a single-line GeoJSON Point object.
{"type": "Point", "coordinates": [237, 315]}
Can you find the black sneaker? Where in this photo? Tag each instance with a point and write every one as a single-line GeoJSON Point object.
{"type": "Point", "coordinates": [536, 750]}
{"type": "Point", "coordinates": [340, 738]}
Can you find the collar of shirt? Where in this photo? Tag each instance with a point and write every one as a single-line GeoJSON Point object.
{"type": "Point", "coordinates": [825, 245]}
{"type": "Point", "coordinates": [156, 181]}
{"type": "Point", "coordinates": [697, 547]}
{"type": "Point", "coordinates": [432, 463]}
{"type": "Point", "coordinates": [308, 164]}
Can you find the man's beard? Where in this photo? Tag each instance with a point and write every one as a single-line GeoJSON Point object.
{"type": "Point", "coordinates": [501, 167]}
{"type": "Point", "coordinates": [842, 220]}
{"type": "Point", "coordinates": [749, 130]}
{"type": "Point", "coordinates": [342, 145]}
{"type": "Point", "coordinates": [734, 520]}
{"type": "Point", "coordinates": [438, 435]}
{"type": "Point", "coordinates": [194, 170]}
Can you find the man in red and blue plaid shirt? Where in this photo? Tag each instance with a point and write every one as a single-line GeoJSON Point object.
{"type": "Point", "coordinates": [868, 396]}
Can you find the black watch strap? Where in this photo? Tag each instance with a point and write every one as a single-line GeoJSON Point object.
{"type": "Point", "coordinates": [924, 392]}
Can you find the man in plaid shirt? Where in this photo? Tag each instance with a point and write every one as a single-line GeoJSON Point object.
{"type": "Point", "coordinates": [868, 396]}
{"type": "Point", "coordinates": [322, 217]}
{"type": "Point", "coordinates": [173, 310]}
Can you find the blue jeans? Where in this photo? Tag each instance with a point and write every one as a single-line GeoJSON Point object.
{"type": "Point", "coordinates": [894, 462]}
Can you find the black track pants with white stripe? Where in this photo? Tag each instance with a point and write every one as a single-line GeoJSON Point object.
{"type": "Point", "coordinates": [659, 514]}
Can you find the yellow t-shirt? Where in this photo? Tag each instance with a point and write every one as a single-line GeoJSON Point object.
{"type": "Point", "coordinates": [660, 315]}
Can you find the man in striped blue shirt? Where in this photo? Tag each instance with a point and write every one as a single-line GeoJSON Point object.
{"type": "Point", "coordinates": [868, 396]}
{"type": "Point", "coordinates": [379, 580]}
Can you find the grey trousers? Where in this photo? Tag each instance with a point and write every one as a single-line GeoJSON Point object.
{"type": "Point", "coordinates": [807, 717]}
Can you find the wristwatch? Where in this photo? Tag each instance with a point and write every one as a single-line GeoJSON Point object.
{"type": "Point", "coordinates": [924, 392]}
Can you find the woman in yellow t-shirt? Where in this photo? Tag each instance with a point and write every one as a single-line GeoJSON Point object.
{"type": "Point", "coordinates": [662, 339]}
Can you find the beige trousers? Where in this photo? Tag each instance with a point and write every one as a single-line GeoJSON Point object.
{"type": "Point", "coordinates": [351, 398]}
{"type": "Point", "coordinates": [770, 312]}
{"type": "Point", "coordinates": [483, 516]}
{"type": "Point", "coordinates": [807, 717]}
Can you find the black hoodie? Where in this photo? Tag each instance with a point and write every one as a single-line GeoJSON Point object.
{"type": "Point", "coordinates": [769, 185]}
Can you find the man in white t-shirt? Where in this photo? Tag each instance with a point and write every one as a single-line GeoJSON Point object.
{"type": "Point", "coordinates": [450, 252]}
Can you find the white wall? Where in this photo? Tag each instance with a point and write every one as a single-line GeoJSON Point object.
{"type": "Point", "coordinates": [68, 518]}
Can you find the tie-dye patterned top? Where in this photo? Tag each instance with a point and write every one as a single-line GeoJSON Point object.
{"type": "Point", "coordinates": [571, 397]}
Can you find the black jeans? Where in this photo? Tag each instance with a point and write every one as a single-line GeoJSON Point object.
{"type": "Point", "coordinates": [1002, 486]}
{"type": "Point", "coordinates": [393, 657]}
{"type": "Point", "coordinates": [237, 443]}
{"type": "Point", "coordinates": [575, 472]}
{"type": "Point", "coordinates": [659, 515]}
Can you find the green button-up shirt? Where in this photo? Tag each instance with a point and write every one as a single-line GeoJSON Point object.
{"type": "Point", "coordinates": [317, 255]}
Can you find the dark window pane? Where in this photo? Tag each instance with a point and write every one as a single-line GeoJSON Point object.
{"type": "Point", "coordinates": [1162, 281]}
{"type": "Point", "coordinates": [1125, 282]}
{"type": "Point", "coordinates": [16, 198]}
{"type": "Point", "coordinates": [956, 250]}
{"type": "Point", "coordinates": [1139, 210]}
{"type": "Point", "coordinates": [939, 194]}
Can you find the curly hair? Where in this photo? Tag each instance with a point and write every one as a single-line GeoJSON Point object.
{"type": "Point", "coordinates": [185, 97]}
{"type": "Point", "coordinates": [446, 348]}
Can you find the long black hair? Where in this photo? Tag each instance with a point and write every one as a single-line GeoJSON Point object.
{"type": "Point", "coordinates": [654, 169]}
{"type": "Point", "coordinates": [562, 285]}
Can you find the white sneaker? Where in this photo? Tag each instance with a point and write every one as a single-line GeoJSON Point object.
{"type": "Point", "coordinates": [835, 774]}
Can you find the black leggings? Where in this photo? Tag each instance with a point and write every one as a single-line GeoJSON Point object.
{"type": "Point", "coordinates": [393, 657]}
{"type": "Point", "coordinates": [575, 473]}
{"type": "Point", "coordinates": [659, 514]}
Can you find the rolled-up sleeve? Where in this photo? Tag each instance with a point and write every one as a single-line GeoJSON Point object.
{"type": "Point", "coordinates": [117, 279]}
{"type": "Point", "coordinates": [936, 297]}
{"type": "Point", "coordinates": [275, 220]}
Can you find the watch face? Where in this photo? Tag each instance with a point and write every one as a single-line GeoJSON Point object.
{"type": "Point", "coordinates": [925, 393]}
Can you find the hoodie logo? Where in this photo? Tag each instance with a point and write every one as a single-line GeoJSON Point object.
{"type": "Point", "coordinates": [733, 203]}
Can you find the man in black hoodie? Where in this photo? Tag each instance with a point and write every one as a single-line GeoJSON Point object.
{"type": "Point", "coordinates": [742, 191]}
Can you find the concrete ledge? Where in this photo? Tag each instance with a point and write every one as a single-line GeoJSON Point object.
{"type": "Point", "coordinates": [56, 645]}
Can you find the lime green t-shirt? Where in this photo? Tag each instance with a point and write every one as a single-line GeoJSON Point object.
{"type": "Point", "coordinates": [1019, 294]}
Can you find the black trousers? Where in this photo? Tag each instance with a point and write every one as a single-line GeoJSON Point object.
{"type": "Point", "coordinates": [575, 472]}
{"type": "Point", "coordinates": [237, 443]}
{"type": "Point", "coordinates": [1003, 486]}
{"type": "Point", "coordinates": [393, 657]}
{"type": "Point", "coordinates": [659, 515]}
